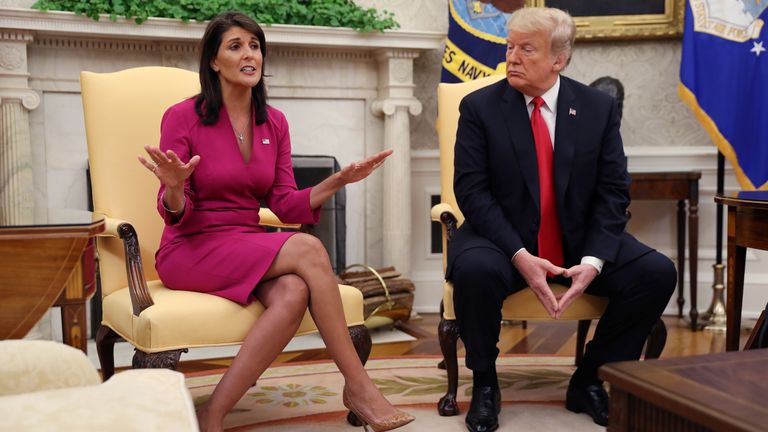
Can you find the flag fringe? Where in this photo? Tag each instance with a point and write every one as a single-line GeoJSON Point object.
{"type": "Point", "coordinates": [720, 141]}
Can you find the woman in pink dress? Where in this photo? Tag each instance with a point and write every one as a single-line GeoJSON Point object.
{"type": "Point", "coordinates": [220, 153]}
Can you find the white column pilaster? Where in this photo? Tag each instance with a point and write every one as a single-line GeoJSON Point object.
{"type": "Point", "coordinates": [396, 104]}
{"type": "Point", "coordinates": [16, 100]}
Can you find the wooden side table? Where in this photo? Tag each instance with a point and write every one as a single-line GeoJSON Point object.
{"type": "Point", "coordinates": [747, 227]}
{"type": "Point", "coordinates": [681, 186]}
{"type": "Point", "coordinates": [37, 259]}
{"type": "Point", "coordinates": [77, 290]}
{"type": "Point", "coordinates": [713, 392]}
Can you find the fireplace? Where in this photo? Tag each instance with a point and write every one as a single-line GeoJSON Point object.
{"type": "Point", "coordinates": [332, 227]}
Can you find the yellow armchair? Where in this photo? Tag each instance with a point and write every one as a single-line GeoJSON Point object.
{"type": "Point", "coordinates": [522, 305]}
{"type": "Point", "coordinates": [122, 113]}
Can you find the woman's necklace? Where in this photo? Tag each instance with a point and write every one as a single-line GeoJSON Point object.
{"type": "Point", "coordinates": [241, 135]}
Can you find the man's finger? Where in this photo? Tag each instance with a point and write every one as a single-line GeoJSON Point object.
{"type": "Point", "coordinates": [555, 270]}
{"type": "Point", "coordinates": [548, 306]}
{"type": "Point", "coordinates": [568, 298]}
{"type": "Point", "coordinates": [547, 299]}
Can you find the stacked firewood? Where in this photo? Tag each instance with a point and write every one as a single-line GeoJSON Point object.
{"type": "Point", "coordinates": [393, 299]}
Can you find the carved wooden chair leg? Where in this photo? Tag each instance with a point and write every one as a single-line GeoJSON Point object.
{"type": "Point", "coordinates": [441, 365]}
{"type": "Point", "coordinates": [448, 334]}
{"type": "Point", "coordinates": [105, 347]}
{"type": "Point", "coordinates": [656, 340]}
{"type": "Point", "coordinates": [581, 339]}
{"type": "Point", "coordinates": [361, 339]}
{"type": "Point", "coordinates": [158, 360]}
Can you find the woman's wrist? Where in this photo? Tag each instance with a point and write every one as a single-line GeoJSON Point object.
{"type": "Point", "coordinates": [168, 208]}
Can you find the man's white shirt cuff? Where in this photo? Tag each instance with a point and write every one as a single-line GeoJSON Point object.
{"type": "Point", "coordinates": [594, 262]}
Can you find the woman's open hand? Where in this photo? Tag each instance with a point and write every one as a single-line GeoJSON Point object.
{"type": "Point", "coordinates": [168, 168]}
{"type": "Point", "coordinates": [357, 171]}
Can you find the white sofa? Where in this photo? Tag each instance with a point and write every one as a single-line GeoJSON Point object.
{"type": "Point", "coordinates": [48, 386]}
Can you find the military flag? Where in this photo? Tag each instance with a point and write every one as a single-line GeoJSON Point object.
{"type": "Point", "coordinates": [724, 80]}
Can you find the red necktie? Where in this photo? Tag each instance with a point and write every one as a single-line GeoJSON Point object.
{"type": "Point", "coordinates": [550, 243]}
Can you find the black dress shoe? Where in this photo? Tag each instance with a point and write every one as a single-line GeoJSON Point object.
{"type": "Point", "coordinates": [483, 415]}
{"type": "Point", "coordinates": [591, 399]}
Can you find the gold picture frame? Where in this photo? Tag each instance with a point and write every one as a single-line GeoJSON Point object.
{"type": "Point", "coordinates": [622, 19]}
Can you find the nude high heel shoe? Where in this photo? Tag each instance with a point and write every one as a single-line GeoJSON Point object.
{"type": "Point", "coordinates": [394, 421]}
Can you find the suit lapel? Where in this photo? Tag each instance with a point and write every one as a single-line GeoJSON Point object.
{"type": "Point", "coordinates": [518, 125]}
{"type": "Point", "coordinates": [564, 138]}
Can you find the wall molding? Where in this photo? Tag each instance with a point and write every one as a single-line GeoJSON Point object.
{"type": "Point", "coordinates": [63, 24]}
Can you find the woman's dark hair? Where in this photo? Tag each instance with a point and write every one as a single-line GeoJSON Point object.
{"type": "Point", "coordinates": [208, 102]}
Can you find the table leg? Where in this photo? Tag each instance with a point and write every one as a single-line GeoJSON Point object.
{"type": "Point", "coordinates": [680, 257]}
{"type": "Point", "coordinates": [754, 342]}
{"type": "Point", "coordinates": [693, 250]}
{"type": "Point", "coordinates": [72, 301]}
{"type": "Point", "coordinates": [73, 325]}
{"type": "Point", "coordinates": [735, 288]}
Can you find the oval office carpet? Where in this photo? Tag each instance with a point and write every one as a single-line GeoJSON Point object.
{"type": "Point", "coordinates": [307, 396]}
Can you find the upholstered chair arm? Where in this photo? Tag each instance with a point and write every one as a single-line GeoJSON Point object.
{"type": "Point", "coordinates": [137, 282]}
{"type": "Point", "coordinates": [268, 218]}
{"type": "Point", "coordinates": [110, 227]}
{"type": "Point", "coordinates": [446, 215]}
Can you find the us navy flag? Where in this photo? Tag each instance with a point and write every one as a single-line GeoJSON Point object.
{"type": "Point", "coordinates": [476, 43]}
{"type": "Point", "coordinates": [724, 80]}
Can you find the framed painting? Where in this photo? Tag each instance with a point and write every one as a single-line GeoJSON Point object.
{"type": "Point", "coordinates": [622, 19]}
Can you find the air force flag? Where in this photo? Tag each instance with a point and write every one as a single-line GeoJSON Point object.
{"type": "Point", "coordinates": [724, 80]}
{"type": "Point", "coordinates": [476, 43]}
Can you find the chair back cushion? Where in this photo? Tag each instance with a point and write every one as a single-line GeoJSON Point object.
{"type": "Point", "coordinates": [122, 113]}
{"type": "Point", "coordinates": [448, 98]}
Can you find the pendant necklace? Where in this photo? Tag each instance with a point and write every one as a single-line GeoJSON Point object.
{"type": "Point", "coordinates": [241, 135]}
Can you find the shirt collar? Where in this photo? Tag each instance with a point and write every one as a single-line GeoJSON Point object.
{"type": "Point", "coordinates": [549, 96]}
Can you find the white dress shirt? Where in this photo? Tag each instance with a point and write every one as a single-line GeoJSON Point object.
{"type": "Point", "coordinates": [549, 114]}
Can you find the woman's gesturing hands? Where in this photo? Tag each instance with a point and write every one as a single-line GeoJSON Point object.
{"type": "Point", "coordinates": [168, 168]}
{"type": "Point", "coordinates": [357, 171]}
{"type": "Point", "coordinates": [351, 173]}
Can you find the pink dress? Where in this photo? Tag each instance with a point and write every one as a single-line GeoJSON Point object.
{"type": "Point", "coordinates": [217, 246]}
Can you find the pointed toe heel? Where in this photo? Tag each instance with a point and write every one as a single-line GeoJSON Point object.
{"type": "Point", "coordinates": [396, 420]}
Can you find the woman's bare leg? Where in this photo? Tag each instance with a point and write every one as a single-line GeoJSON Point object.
{"type": "Point", "coordinates": [305, 256]}
{"type": "Point", "coordinates": [285, 298]}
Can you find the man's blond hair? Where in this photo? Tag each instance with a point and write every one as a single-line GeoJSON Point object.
{"type": "Point", "coordinates": [558, 23]}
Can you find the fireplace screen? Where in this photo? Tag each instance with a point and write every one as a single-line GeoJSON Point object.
{"type": "Point", "coordinates": [332, 228]}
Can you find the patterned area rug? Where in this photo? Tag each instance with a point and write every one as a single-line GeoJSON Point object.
{"type": "Point", "coordinates": [307, 397]}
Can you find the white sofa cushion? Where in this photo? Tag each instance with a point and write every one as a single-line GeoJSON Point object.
{"type": "Point", "coordinates": [135, 400]}
{"type": "Point", "coordinates": [33, 365]}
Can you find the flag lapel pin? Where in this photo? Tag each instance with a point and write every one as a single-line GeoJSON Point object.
{"type": "Point", "coordinates": [265, 141]}
{"type": "Point", "coordinates": [572, 112]}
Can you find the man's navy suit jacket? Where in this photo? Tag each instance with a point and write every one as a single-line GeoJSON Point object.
{"type": "Point", "coordinates": [496, 177]}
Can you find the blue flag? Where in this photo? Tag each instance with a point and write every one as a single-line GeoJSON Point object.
{"type": "Point", "coordinates": [724, 80]}
{"type": "Point", "coordinates": [476, 43]}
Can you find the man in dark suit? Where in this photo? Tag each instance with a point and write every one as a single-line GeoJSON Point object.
{"type": "Point", "coordinates": [541, 178]}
